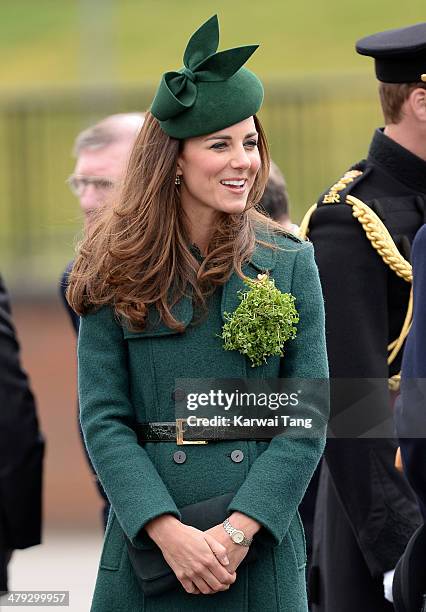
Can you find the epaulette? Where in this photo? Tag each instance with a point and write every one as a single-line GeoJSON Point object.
{"type": "Point", "coordinates": [371, 219]}
{"type": "Point", "coordinates": [337, 193]}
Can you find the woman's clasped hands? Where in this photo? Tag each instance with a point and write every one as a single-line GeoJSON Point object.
{"type": "Point", "coordinates": [203, 562]}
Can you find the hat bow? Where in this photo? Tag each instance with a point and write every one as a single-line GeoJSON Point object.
{"type": "Point", "coordinates": [178, 90]}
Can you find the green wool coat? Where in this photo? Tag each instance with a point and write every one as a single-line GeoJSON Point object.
{"type": "Point", "coordinates": [126, 376]}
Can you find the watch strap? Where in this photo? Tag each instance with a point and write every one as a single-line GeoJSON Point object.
{"type": "Point", "coordinates": [230, 530]}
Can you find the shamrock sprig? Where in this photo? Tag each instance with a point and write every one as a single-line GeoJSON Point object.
{"type": "Point", "coordinates": [263, 321]}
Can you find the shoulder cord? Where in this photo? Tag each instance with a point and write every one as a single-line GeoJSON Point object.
{"type": "Point", "coordinates": [382, 242]}
{"type": "Point", "coordinates": [304, 226]}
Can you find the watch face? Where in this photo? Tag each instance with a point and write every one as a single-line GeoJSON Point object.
{"type": "Point", "coordinates": [237, 537]}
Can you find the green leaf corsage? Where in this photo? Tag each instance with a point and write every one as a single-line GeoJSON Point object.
{"type": "Point", "coordinates": [263, 321]}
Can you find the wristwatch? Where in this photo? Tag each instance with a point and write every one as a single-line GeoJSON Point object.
{"type": "Point", "coordinates": [236, 535]}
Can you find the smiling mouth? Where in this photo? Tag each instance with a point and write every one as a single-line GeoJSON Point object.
{"type": "Point", "coordinates": [237, 186]}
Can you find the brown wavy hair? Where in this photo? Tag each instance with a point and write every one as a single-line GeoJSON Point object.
{"type": "Point", "coordinates": [138, 253]}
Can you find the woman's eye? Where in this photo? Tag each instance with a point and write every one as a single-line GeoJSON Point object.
{"type": "Point", "coordinates": [251, 144]}
{"type": "Point", "coordinates": [218, 145]}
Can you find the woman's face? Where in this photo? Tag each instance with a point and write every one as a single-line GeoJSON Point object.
{"type": "Point", "coordinates": [218, 170]}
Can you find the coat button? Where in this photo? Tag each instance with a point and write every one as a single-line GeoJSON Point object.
{"type": "Point", "coordinates": [178, 394]}
{"type": "Point", "coordinates": [237, 456]}
{"type": "Point", "coordinates": [179, 457]}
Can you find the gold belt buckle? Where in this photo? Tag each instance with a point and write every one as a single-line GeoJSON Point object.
{"type": "Point", "coordinates": [179, 434]}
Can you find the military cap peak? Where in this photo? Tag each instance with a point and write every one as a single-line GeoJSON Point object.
{"type": "Point", "coordinates": [399, 54]}
{"type": "Point", "coordinates": [399, 41]}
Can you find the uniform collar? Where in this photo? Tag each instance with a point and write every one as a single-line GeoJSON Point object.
{"type": "Point", "coordinates": [398, 161]}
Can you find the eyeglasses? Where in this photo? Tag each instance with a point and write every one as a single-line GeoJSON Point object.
{"type": "Point", "coordinates": [79, 183]}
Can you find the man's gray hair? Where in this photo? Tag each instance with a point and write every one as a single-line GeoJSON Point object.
{"type": "Point", "coordinates": [108, 131]}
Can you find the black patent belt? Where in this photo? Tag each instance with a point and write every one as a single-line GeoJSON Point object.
{"type": "Point", "coordinates": [181, 433]}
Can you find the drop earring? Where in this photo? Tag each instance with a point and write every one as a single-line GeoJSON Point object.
{"type": "Point", "coordinates": [177, 180]}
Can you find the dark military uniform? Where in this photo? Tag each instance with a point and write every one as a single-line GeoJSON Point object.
{"type": "Point", "coordinates": [366, 512]}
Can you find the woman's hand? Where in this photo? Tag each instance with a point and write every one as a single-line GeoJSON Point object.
{"type": "Point", "coordinates": [235, 552]}
{"type": "Point", "coordinates": [197, 559]}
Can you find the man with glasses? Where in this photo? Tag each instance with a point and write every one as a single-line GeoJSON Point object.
{"type": "Point", "coordinates": [102, 152]}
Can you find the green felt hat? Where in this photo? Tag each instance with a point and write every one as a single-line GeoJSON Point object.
{"type": "Point", "coordinates": [211, 92]}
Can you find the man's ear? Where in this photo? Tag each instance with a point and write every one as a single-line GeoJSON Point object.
{"type": "Point", "coordinates": [417, 102]}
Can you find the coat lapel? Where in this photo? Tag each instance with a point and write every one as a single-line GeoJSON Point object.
{"type": "Point", "coordinates": [182, 311]}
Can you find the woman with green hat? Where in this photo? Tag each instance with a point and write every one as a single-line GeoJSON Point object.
{"type": "Point", "coordinates": [158, 285]}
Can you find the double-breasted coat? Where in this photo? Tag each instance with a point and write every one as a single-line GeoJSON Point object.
{"type": "Point", "coordinates": [126, 376]}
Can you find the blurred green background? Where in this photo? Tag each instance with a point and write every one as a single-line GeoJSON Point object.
{"type": "Point", "coordinates": [67, 63]}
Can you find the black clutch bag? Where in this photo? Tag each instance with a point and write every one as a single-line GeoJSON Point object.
{"type": "Point", "coordinates": [153, 574]}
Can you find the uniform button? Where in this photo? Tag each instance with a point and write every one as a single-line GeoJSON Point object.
{"type": "Point", "coordinates": [178, 394]}
{"type": "Point", "coordinates": [179, 457]}
{"type": "Point", "coordinates": [237, 456]}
